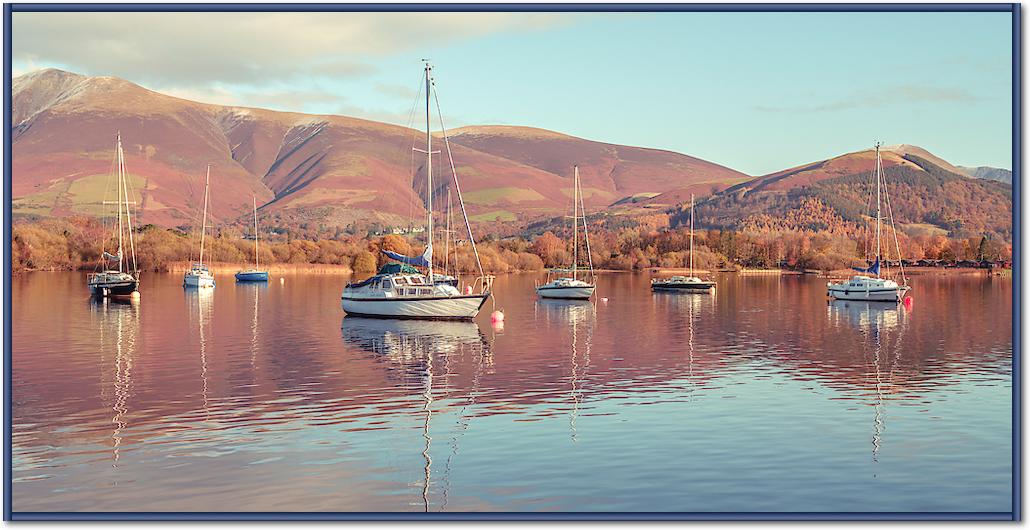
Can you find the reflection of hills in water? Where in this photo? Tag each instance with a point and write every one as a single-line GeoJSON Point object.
{"type": "Point", "coordinates": [117, 323]}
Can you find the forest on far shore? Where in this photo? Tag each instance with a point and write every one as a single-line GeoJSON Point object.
{"type": "Point", "coordinates": [76, 244]}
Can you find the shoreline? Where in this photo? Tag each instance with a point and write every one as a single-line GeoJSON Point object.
{"type": "Point", "coordinates": [272, 268]}
{"type": "Point", "coordinates": [332, 269]}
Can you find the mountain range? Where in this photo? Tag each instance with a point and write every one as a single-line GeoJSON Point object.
{"type": "Point", "coordinates": [339, 171]}
{"type": "Point", "coordinates": [329, 169]}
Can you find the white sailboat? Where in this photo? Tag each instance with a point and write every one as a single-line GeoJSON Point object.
{"type": "Point", "coordinates": [689, 283]}
{"type": "Point", "coordinates": [118, 282]}
{"type": "Point", "coordinates": [399, 290]}
{"type": "Point", "coordinates": [571, 287]}
{"type": "Point", "coordinates": [199, 275]}
{"type": "Point", "coordinates": [874, 288]}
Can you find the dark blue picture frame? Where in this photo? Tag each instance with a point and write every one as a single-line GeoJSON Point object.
{"type": "Point", "coordinates": [1014, 515]}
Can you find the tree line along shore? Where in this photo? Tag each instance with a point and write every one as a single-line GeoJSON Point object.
{"type": "Point", "coordinates": [76, 243]}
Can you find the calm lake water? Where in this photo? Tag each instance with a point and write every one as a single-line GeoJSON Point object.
{"type": "Point", "coordinates": [761, 397]}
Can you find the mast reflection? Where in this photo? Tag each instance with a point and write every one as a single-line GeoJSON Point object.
{"type": "Point", "coordinates": [413, 347]}
{"type": "Point", "coordinates": [118, 323]}
{"type": "Point", "coordinates": [577, 314]}
{"type": "Point", "coordinates": [882, 326]}
{"type": "Point", "coordinates": [200, 306]}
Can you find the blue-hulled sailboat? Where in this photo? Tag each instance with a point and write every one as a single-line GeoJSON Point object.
{"type": "Point", "coordinates": [255, 274]}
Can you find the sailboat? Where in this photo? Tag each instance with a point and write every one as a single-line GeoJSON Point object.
{"type": "Point", "coordinates": [685, 283]}
{"type": "Point", "coordinates": [118, 282]}
{"type": "Point", "coordinates": [255, 274]}
{"type": "Point", "coordinates": [571, 287]}
{"type": "Point", "coordinates": [198, 275]}
{"type": "Point", "coordinates": [874, 288]}
{"type": "Point", "coordinates": [400, 290]}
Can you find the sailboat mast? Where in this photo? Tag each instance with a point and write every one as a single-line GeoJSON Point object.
{"type": "Point", "coordinates": [118, 155]}
{"type": "Point", "coordinates": [429, 171]}
{"type": "Point", "coordinates": [691, 234]}
{"type": "Point", "coordinates": [256, 265]}
{"type": "Point", "coordinates": [878, 169]}
{"type": "Point", "coordinates": [575, 221]}
{"type": "Point", "coordinates": [203, 225]}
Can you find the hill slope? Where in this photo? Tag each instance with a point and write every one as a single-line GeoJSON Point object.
{"type": "Point", "coordinates": [332, 170]}
{"type": "Point", "coordinates": [927, 195]}
{"type": "Point", "coordinates": [988, 173]}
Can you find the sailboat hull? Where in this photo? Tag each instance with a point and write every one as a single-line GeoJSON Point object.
{"type": "Point", "coordinates": [463, 307]}
{"type": "Point", "coordinates": [252, 276]}
{"type": "Point", "coordinates": [566, 293]}
{"type": "Point", "coordinates": [198, 281]}
{"type": "Point", "coordinates": [114, 289]}
{"type": "Point", "coordinates": [697, 287]}
{"type": "Point", "coordinates": [872, 294]}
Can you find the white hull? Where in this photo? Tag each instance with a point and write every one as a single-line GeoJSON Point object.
{"type": "Point", "coordinates": [464, 307]}
{"type": "Point", "coordinates": [568, 293]}
{"type": "Point", "coordinates": [867, 295]}
{"type": "Point", "coordinates": [191, 280]}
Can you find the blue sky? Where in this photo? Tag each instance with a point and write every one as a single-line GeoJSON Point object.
{"type": "Point", "coordinates": [757, 92]}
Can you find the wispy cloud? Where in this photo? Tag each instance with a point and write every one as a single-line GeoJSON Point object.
{"type": "Point", "coordinates": [399, 91]}
{"type": "Point", "coordinates": [189, 49]}
{"type": "Point", "coordinates": [898, 95]}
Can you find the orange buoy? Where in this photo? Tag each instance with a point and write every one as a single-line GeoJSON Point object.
{"type": "Point", "coordinates": [497, 316]}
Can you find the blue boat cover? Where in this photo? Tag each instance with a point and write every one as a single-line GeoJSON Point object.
{"type": "Point", "coordinates": [396, 268]}
{"type": "Point", "coordinates": [874, 269]}
{"type": "Point", "coordinates": [419, 261]}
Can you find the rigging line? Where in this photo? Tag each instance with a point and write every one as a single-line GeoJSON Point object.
{"type": "Point", "coordinates": [457, 187]}
{"type": "Point", "coordinates": [586, 235]}
{"type": "Point", "coordinates": [411, 152]}
{"type": "Point", "coordinates": [130, 192]}
{"type": "Point", "coordinates": [869, 208]}
{"type": "Point", "coordinates": [104, 219]}
{"type": "Point", "coordinates": [894, 230]}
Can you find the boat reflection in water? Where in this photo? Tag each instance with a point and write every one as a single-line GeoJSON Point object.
{"type": "Point", "coordinates": [118, 323]}
{"type": "Point", "coordinates": [882, 327]}
{"type": "Point", "coordinates": [422, 351]}
{"type": "Point", "coordinates": [689, 306]}
{"type": "Point", "coordinates": [579, 316]}
{"type": "Point", "coordinates": [199, 308]}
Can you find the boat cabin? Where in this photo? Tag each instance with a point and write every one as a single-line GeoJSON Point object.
{"type": "Point", "coordinates": [396, 280]}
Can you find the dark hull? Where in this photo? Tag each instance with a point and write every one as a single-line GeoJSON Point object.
{"type": "Point", "coordinates": [114, 289]}
{"type": "Point", "coordinates": [697, 287]}
{"type": "Point", "coordinates": [252, 276]}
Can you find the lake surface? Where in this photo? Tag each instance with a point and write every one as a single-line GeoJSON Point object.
{"type": "Point", "coordinates": [760, 397]}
